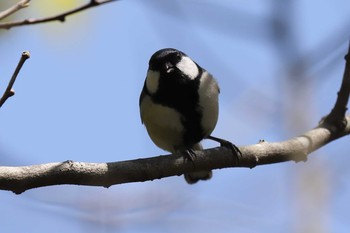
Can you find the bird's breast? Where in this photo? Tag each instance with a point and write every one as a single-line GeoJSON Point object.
{"type": "Point", "coordinates": [163, 124]}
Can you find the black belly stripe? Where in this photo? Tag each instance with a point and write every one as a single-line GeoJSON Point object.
{"type": "Point", "coordinates": [181, 93]}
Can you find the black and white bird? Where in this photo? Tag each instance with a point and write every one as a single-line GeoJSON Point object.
{"type": "Point", "coordinates": [179, 104]}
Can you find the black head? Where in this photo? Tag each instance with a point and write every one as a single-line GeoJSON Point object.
{"type": "Point", "coordinates": [165, 59]}
{"type": "Point", "coordinates": [172, 63]}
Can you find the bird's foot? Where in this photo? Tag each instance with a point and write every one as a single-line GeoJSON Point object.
{"type": "Point", "coordinates": [228, 145]}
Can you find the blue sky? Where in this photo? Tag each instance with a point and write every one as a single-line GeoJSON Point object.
{"type": "Point", "coordinates": [77, 99]}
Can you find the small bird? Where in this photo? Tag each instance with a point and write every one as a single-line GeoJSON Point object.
{"type": "Point", "coordinates": [179, 105]}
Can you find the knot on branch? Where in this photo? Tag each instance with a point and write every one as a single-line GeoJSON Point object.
{"type": "Point", "coordinates": [335, 122]}
{"type": "Point", "coordinates": [94, 2]}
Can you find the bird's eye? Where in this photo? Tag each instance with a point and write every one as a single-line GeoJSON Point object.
{"type": "Point", "coordinates": [178, 56]}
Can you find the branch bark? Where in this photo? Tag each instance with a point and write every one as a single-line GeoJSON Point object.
{"type": "Point", "coordinates": [59, 17]}
{"type": "Point", "coordinates": [333, 126]}
{"type": "Point", "coordinates": [9, 91]}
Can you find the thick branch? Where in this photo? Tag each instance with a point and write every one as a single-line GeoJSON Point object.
{"type": "Point", "coordinates": [9, 91]}
{"type": "Point", "coordinates": [20, 179]}
{"type": "Point", "coordinates": [14, 8]}
{"type": "Point", "coordinates": [60, 17]}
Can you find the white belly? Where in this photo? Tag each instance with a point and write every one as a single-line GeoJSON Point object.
{"type": "Point", "coordinates": [163, 124]}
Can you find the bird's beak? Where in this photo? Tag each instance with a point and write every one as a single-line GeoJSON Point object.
{"type": "Point", "coordinates": [168, 67]}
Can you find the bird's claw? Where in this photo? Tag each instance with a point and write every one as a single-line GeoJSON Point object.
{"type": "Point", "coordinates": [190, 154]}
{"type": "Point", "coordinates": [229, 145]}
{"type": "Point", "coordinates": [232, 147]}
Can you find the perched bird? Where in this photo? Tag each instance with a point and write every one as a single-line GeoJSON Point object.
{"type": "Point", "coordinates": [179, 105]}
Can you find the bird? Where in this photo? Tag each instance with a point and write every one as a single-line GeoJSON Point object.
{"type": "Point", "coordinates": [179, 105]}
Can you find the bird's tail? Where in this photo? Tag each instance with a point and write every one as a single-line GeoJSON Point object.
{"type": "Point", "coordinates": [194, 177]}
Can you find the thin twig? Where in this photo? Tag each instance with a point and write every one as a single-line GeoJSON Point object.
{"type": "Point", "coordinates": [9, 91]}
{"type": "Point", "coordinates": [14, 8]}
{"type": "Point", "coordinates": [60, 17]}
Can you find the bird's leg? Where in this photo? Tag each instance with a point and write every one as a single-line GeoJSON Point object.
{"type": "Point", "coordinates": [191, 154]}
{"type": "Point", "coordinates": [229, 145]}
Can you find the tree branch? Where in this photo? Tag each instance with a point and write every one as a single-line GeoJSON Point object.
{"type": "Point", "coordinates": [9, 91]}
{"type": "Point", "coordinates": [337, 115]}
{"type": "Point", "coordinates": [14, 8]}
{"type": "Point", "coordinates": [60, 17]}
{"type": "Point", "coordinates": [20, 179]}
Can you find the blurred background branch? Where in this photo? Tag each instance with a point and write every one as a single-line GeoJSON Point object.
{"type": "Point", "coordinates": [59, 17]}
{"type": "Point", "coordinates": [14, 8]}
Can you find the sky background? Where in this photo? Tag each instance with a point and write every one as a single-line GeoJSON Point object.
{"type": "Point", "coordinates": [279, 65]}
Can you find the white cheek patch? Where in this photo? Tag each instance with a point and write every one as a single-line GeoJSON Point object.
{"type": "Point", "coordinates": [188, 67]}
{"type": "Point", "coordinates": [152, 81]}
